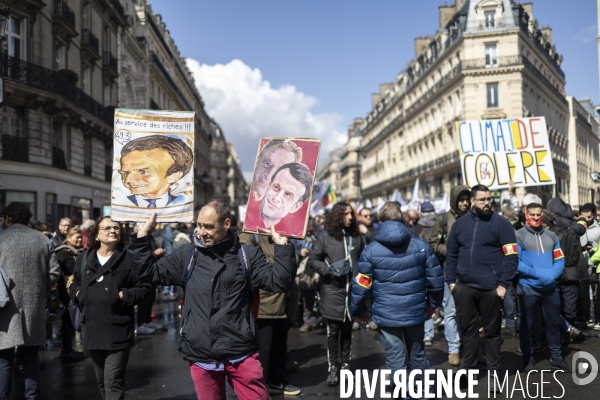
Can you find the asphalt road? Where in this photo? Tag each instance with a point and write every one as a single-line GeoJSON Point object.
{"type": "Point", "coordinates": [157, 371]}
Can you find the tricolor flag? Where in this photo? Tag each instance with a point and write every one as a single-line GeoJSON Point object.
{"type": "Point", "coordinates": [329, 198]}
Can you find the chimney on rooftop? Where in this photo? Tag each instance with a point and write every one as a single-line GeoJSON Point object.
{"type": "Point", "coordinates": [446, 13]}
{"type": "Point", "coordinates": [421, 43]}
{"type": "Point", "coordinates": [528, 7]}
{"type": "Point", "coordinates": [547, 32]}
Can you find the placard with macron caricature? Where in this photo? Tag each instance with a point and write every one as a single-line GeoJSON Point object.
{"type": "Point", "coordinates": [153, 165]}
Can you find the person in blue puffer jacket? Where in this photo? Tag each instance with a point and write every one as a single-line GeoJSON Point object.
{"type": "Point", "coordinates": [541, 262]}
{"type": "Point", "coordinates": [407, 284]}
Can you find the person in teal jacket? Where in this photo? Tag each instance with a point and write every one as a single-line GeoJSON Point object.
{"type": "Point", "coordinates": [541, 262]}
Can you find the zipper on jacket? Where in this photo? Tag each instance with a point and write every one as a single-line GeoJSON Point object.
{"type": "Point", "coordinates": [473, 242]}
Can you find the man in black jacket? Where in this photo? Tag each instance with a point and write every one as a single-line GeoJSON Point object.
{"type": "Point", "coordinates": [575, 271]}
{"type": "Point", "coordinates": [481, 262]}
{"type": "Point", "coordinates": [218, 331]}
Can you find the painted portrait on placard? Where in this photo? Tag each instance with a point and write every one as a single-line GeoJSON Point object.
{"type": "Point", "coordinates": [153, 165]}
{"type": "Point", "coordinates": [281, 186]}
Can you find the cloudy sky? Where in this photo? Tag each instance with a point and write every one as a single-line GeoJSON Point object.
{"type": "Point", "coordinates": [308, 67]}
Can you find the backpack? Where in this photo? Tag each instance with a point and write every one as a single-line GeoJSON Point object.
{"type": "Point", "coordinates": [243, 254]}
{"type": "Point", "coordinates": [570, 245]}
{"type": "Point", "coordinates": [441, 239]}
{"type": "Point", "coordinates": [426, 234]}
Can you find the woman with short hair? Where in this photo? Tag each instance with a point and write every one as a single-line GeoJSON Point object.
{"type": "Point", "coordinates": [107, 288]}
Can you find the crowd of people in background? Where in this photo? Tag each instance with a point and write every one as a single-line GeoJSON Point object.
{"type": "Point", "coordinates": [487, 268]}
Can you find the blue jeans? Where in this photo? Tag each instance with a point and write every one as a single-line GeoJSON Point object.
{"type": "Point", "coordinates": [509, 307]}
{"type": "Point", "coordinates": [394, 342]}
{"type": "Point", "coordinates": [28, 357]}
{"type": "Point", "coordinates": [168, 289]}
{"type": "Point", "coordinates": [428, 328]}
{"type": "Point", "coordinates": [450, 324]}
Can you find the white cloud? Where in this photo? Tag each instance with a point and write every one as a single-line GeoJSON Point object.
{"type": "Point", "coordinates": [243, 102]}
{"type": "Point", "coordinates": [587, 34]}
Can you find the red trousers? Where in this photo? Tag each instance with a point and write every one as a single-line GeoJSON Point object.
{"type": "Point", "coordinates": [246, 379]}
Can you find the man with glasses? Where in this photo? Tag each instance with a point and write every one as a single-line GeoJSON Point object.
{"type": "Point", "coordinates": [61, 234]}
{"type": "Point", "coordinates": [459, 206]}
{"type": "Point", "coordinates": [366, 226]}
{"type": "Point", "coordinates": [481, 262]}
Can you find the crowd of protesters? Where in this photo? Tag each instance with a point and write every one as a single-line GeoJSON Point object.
{"type": "Point", "coordinates": [483, 269]}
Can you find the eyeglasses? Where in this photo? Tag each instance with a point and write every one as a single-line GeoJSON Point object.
{"type": "Point", "coordinates": [111, 228]}
{"type": "Point", "coordinates": [486, 200]}
{"type": "Point", "coordinates": [67, 225]}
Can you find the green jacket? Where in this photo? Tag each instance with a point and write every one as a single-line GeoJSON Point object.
{"type": "Point", "coordinates": [438, 237]}
{"type": "Point", "coordinates": [595, 259]}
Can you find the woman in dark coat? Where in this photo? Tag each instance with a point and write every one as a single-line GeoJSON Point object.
{"type": "Point", "coordinates": [108, 289]}
{"type": "Point", "coordinates": [66, 254]}
{"type": "Point", "coordinates": [331, 246]}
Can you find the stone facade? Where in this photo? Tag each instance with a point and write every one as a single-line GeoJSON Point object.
{"type": "Point", "coordinates": [584, 145]}
{"type": "Point", "coordinates": [67, 65]}
{"type": "Point", "coordinates": [348, 166]}
{"type": "Point", "coordinates": [238, 189]}
{"type": "Point", "coordinates": [488, 60]}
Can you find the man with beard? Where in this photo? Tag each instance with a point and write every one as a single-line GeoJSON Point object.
{"type": "Point", "coordinates": [481, 262]}
{"type": "Point", "coordinates": [366, 226]}
{"type": "Point", "coordinates": [459, 206]}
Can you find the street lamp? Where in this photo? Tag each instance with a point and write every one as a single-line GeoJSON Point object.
{"type": "Point", "coordinates": [205, 181]}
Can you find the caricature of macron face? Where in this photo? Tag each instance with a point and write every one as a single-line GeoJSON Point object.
{"type": "Point", "coordinates": [289, 189]}
{"type": "Point", "coordinates": [151, 164]}
{"type": "Point", "coordinates": [272, 156]}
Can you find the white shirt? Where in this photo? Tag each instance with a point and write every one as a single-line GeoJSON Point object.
{"type": "Point", "coordinates": [101, 259]}
{"type": "Point", "coordinates": [160, 201]}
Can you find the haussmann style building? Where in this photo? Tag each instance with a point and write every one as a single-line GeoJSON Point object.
{"type": "Point", "coordinates": [490, 59]}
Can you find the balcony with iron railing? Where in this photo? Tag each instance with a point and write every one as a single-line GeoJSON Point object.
{"type": "Point", "coordinates": [479, 63]}
{"type": "Point", "coordinates": [118, 10]}
{"type": "Point", "coordinates": [63, 20]}
{"type": "Point", "coordinates": [439, 164]}
{"type": "Point", "coordinates": [37, 77]}
{"type": "Point", "coordinates": [435, 88]}
{"type": "Point", "coordinates": [161, 68]}
{"type": "Point", "coordinates": [110, 66]}
{"type": "Point", "coordinates": [90, 45]}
